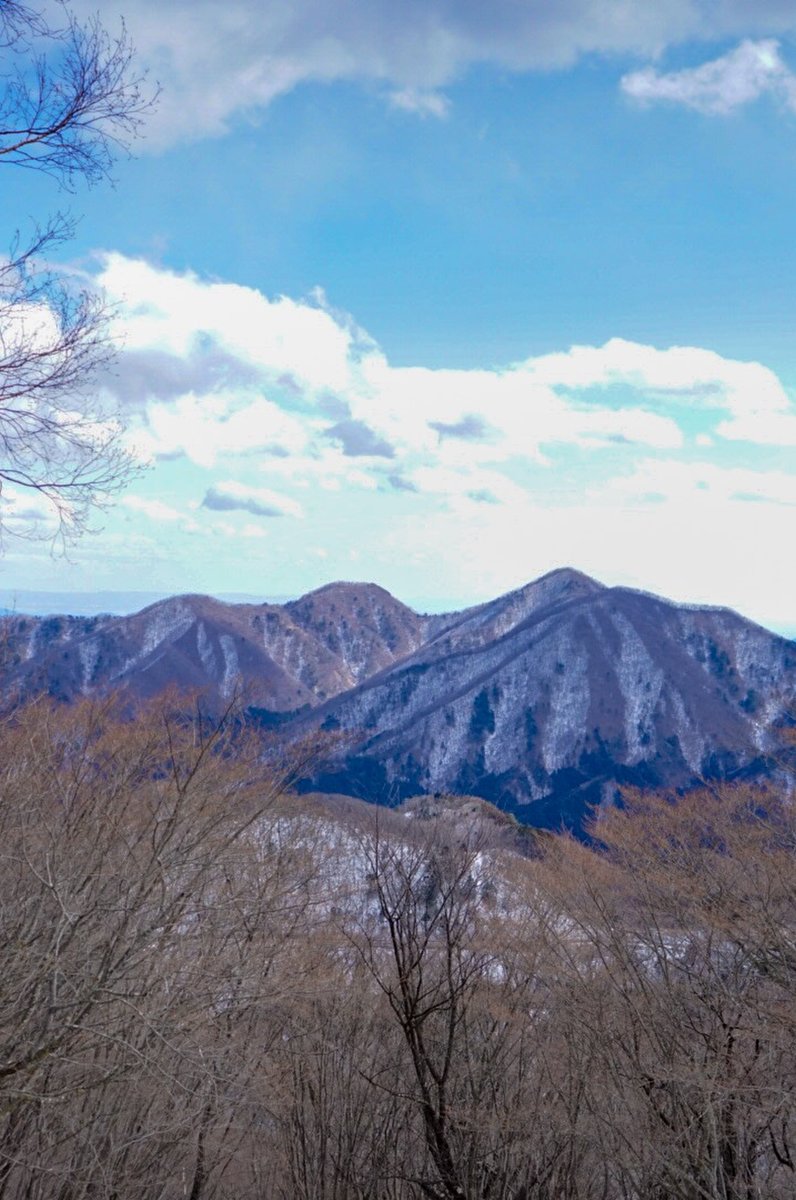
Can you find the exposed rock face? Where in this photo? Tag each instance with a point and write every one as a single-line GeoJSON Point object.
{"type": "Point", "coordinates": [541, 701]}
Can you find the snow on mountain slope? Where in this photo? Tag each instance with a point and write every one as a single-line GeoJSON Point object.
{"type": "Point", "coordinates": [588, 688]}
{"type": "Point", "coordinates": [543, 700]}
{"type": "Point", "coordinates": [277, 657]}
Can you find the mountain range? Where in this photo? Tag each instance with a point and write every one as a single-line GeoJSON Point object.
{"type": "Point", "coordinates": [544, 701]}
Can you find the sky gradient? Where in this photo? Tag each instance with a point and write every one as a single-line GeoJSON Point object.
{"type": "Point", "coordinates": [444, 296]}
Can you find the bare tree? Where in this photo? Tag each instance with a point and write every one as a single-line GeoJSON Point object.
{"type": "Point", "coordinates": [675, 939]}
{"type": "Point", "coordinates": [145, 899]}
{"type": "Point", "coordinates": [215, 990]}
{"type": "Point", "coordinates": [455, 947]}
{"type": "Point", "coordinates": [70, 99]}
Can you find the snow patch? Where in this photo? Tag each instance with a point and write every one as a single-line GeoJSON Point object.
{"type": "Point", "coordinates": [166, 623]}
{"type": "Point", "coordinates": [691, 744]}
{"type": "Point", "coordinates": [232, 673]}
{"type": "Point", "coordinates": [569, 706]}
{"type": "Point", "coordinates": [205, 650]}
{"type": "Point", "coordinates": [88, 652]}
{"type": "Point", "coordinates": [641, 683]}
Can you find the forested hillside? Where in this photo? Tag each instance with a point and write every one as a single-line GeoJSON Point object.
{"type": "Point", "coordinates": [214, 988]}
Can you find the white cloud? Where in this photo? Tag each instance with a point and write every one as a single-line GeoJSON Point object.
{"type": "Point", "coordinates": [472, 478]}
{"type": "Point", "coordinates": [603, 427]}
{"type": "Point", "coordinates": [327, 468]}
{"type": "Point", "coordinates": [703, 546]}
{"type": "Point", "coordinates": [309, 396]}
{"type": "Point", "coordinates": [701, 483]}
{"type": "Point", "coordinates": [422, 103]}
{"type": "Point", "coordinates": [520, 414]}
{"type": "Point", "coordinates": [221, 61]}
{"type": "Point", "coordinates": [206, 427]}
{"type": "Point", "coordinates": [156, 510]}
{"type": "Point", "coordinates": [722, 85]}
{"type": "Point", "coordinates": [760, 410]}
{"type": "Point", "coordinates": [174, 313]}
{"type": "Point", "coordinates": [232, 533]}
{"type": "Point", "coordinates": [231, 496]}
{"type": "Point", "coordinates": [760, 426]}
{"type": "Point", "coordinates": [27, 512]}
{"type": "Point", "coordinates": [466, 486]}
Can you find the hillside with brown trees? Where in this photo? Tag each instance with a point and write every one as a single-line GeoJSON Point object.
{"type": "Point", "coordinates": [212, 988]}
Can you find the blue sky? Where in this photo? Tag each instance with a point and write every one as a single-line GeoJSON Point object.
{"type": "Point", "coordinates": [444, 295]}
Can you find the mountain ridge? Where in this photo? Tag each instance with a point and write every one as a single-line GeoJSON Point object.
{"type": "Point", "coordinates": [543, 700]}
{"type": "Point", "coordinates": [662, 695]}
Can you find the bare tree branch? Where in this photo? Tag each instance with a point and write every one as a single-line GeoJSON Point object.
{"type": "Point", "coordinates": [70, 100]}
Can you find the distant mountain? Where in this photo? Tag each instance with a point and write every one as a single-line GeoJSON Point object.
{"type": "Point", "coordinates": [542, 701]}
{"type": "Point", "coordinates": [545, 700]}
{"type": "Point", "coordinates": [280, 657]}
{"type": "Point", "coordinates": [90, 604]}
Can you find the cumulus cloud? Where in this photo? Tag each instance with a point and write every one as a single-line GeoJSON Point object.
{"type": "Point", "coordinates": [204, 428]}
{"type": "Point", "coordinates": [473, 486]}
{"type": "Point", "coordinates": [231, 532]}
{"type": "Point", "coordinates": [177, 315]}
{"type": "Point", "coordinates": [327, 468]}
{"type": "Point", "coordinates": [758, 407]}
{"type": "Point", "coordinates": [141, 374]}
{"type": "Point", "coordinates": [688, 548]}
{"type": "Point", "coordinates": [400, 483]}
{"type": "Point", "coordinates": [230, 496]}
{"type": "Point", "coordinates": [722, 85]}
{"type": "Point", "coordinates": [221, 61]}
{"type": "Point", "coordinates": [301, 391]}
{"type": "Point", "coordinates": [761, 425]}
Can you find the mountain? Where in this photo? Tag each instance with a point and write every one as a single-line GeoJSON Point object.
{"type": "Point", "coordinates": [543, 701]}
{"type": "Point", "coordinates": [280, 657]}
{"type": "Point", "coordinates": [546, 700]}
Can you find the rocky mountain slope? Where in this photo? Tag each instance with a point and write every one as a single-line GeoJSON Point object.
{"type": "Point", "coordinates": [279, 657]}
{"type": "Point", "coordinates": [542, 701]}
{"type": "Point", "coordinates": [547, 699]}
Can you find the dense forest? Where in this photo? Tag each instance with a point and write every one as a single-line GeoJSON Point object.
{"type": "Point", "coordinates": [210, 987]}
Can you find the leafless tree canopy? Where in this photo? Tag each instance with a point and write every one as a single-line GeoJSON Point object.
{"type": "Point", "coordinates": [70, 99]}
{"type": "Point", "coordinates": [212, 989]}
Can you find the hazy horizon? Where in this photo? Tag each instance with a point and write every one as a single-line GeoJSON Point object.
{"type": "Point", "coordinates": [123, 603]}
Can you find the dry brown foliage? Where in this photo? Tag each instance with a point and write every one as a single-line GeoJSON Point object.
{"type": "Point", "coordinates": [210, 988]}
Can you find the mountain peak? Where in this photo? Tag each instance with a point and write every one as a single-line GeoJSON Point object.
{"type": "Point", "coordinates": [544, 700]}
{"type": "Point", "coordinates": [550, 698]}
{"type": "Point", "coordinates": [349, 590]}
{"type": "Point", "coordinates": [568, 577]}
